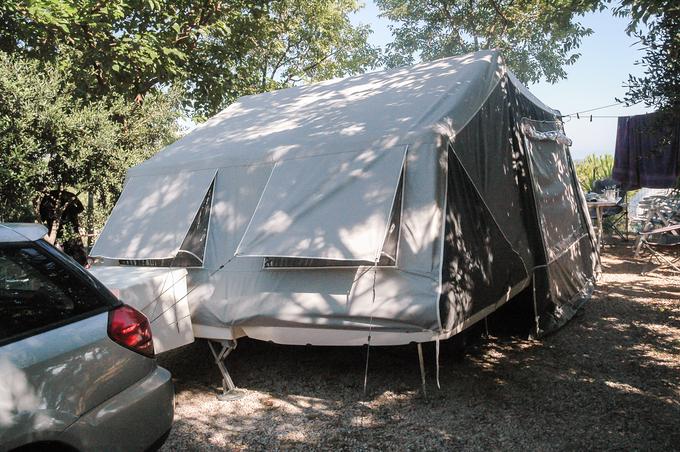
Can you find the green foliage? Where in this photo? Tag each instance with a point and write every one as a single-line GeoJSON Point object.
{"type": "Point", "coordinates": [659, 87]}
{"type": "Point", "coordinates": [592, 168]}
{"type": "Point", "coordinates": [89, 88]}
{"type": "Point", "coordinates": [53, 141]}
{"type": "Point", "coordinates": [215, 50]}
{"type": "Point", "coordinates": [537, 37]}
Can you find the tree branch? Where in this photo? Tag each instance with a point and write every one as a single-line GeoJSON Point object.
{"type": "Point", "coordinates": [499, 12]}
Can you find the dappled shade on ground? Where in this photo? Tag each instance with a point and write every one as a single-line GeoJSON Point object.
{"type": "Point", "coordinates": [609, 379]}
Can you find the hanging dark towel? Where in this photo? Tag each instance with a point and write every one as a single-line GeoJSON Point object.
{"type": "Point", "coordinates": [647, 151]}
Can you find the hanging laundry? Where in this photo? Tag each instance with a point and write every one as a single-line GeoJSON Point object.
{"type": "Point", "coordinates": [647, 151]}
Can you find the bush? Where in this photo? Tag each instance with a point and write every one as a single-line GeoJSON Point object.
{"type": "Point", "coordinates": [593, 168]}
{"type": "Point", "coordinates": [52, 141]}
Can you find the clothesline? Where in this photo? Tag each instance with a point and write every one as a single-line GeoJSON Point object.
{"type": "Point", "coordinates": [578, 114]}
{"type": "Point", "coordinates": [591, 117]}
{"type": "Point", "coordinates": [594, 109]}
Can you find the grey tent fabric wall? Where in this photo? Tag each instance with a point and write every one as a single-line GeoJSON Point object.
{"type": "Point", "coordinates": [563, 228]}
{"type": "Point", "coordinates": [566, 256]}
{"type": "Point", "coordinates": [481, 268]}
{"type": "Point", "coordinates": [333, 206]}
{"type": "Point", "coordinates": [557, 203]}
{"type": "Point", "coordinates": [515, 217]}
{"type": "Point", "coordinates": [153, 215]}
{"type": "Point", "coordinates": [487, 255]}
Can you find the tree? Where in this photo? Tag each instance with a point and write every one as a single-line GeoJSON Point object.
{"type": "Point", "coordinates": [537, 37]}
{"type": "Point", "coordinates": [659, 87]}
{"type": "Point", "coordinates": [91, 86]}
{"type": "Point", "coordinates": [216, 50]}
{"type": "Point", "coordinates": [52, 142]}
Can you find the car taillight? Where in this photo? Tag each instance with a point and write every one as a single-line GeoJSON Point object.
{"type": "Point", "coordinates": [130, 328]}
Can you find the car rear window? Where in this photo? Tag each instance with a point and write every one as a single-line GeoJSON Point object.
{"type": "Point", "coordinates": [38, 291]}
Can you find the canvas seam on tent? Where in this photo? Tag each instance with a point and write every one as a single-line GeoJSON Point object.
{"type": "Point", "coordinates": [442, 233]}
{"type": "Point", "coordinates": [562, 252]}
{"type": "Point", "coordinates": [486, 97]}
{"type": "Point", "coordinates": [479, 315]}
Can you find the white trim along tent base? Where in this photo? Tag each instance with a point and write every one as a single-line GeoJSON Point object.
{"type": "Point", "coordinates": [408, 203]}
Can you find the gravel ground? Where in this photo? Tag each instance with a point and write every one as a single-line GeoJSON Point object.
{"type": "Point", "coordinates": [610, 379]}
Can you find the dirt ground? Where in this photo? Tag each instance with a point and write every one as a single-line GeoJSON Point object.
{"type": "Point", "coordinates": [610, 379]}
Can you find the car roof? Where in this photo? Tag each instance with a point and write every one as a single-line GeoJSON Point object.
{"type": "Point", "coordinates": [21, 232]}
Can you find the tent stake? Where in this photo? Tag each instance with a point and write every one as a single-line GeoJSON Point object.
{"type": "Point", "coordinates": [229, 389]}
{"type": "Point", "coordinates": [422, 367]}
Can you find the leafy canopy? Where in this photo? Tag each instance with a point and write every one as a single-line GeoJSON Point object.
{"type": "Point", "coordinates": [215, 50]}
{"type": "Point", "coordinates": [537, 37]}
{"type": "Point", "coordinates": [659, 87]}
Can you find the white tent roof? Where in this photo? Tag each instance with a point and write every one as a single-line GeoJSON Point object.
{"type": "Point", "coordinates": [378, 110]}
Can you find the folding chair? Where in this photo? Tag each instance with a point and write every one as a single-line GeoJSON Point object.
{"type": "Point", "coordinates": [667, 238]}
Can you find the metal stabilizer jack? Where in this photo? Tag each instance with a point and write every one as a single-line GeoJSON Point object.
{"type": "Point", "coordinates": [421, 361]}
{"type": "Point", "coordinates": [229, 389]}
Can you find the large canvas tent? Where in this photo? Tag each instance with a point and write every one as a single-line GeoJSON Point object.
{"type": "Point", "coordinates": [405, 205]}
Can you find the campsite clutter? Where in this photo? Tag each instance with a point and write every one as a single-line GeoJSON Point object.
{"type": "Point", "coordinates": [648, 156]}
{"type": "Point", "coordinates": [388, 208]}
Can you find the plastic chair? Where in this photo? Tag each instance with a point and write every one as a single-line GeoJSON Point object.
{"type": "Point", "coordinates": [659, 232]}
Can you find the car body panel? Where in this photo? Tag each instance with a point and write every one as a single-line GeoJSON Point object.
{"type": "Point", "coordinates": [68, 381]}
{"type": "Point", "coordinates": [130, 421]}
{"type": "Point", "coordinates": [21, 232]}
{"type": "Point", "coordinates": [62, 374]}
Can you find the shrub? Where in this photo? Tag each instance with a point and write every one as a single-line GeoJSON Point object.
{"type": "Point", "coordinates": [594, 167]}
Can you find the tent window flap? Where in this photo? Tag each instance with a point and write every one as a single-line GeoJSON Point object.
{"type": "Point", "coordinates": [335, 207]}
{"type": "Point", "coordinates": [153, 216]}
{"type": "Point", "coordinates": [388, 254]}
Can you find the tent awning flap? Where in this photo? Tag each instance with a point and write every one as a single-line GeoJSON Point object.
{"type": "Point", "coordinates": [333, 206]}
{"type": "Point", "coordinates": [153, 215]}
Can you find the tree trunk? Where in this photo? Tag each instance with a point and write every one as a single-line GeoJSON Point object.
{"type": "Point", "coordinates": [52, 236]}
{"type": "Point", "coordinates": [90, 218]}
{"type": "Point", "coordinates": [56, 221]}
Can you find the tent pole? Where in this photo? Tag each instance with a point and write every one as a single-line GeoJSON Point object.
{"type": "Point", "coordinates": [229, 389]}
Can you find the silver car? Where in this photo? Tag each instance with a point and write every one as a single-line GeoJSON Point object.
{"type": "Point", "coordinates": [77, 367]}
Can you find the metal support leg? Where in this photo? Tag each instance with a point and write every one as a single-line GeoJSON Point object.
{"type": "Point", "coordinates": [229, 389]}
{"type": "Point", "coordinates": [422, 368]}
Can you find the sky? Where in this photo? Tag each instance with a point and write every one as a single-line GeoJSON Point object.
{"type": "Point", "coordinates": [595, 80]}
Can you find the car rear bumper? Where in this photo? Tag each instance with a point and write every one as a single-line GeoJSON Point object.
{"type": "Point", "coordinates": [132, 420]}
